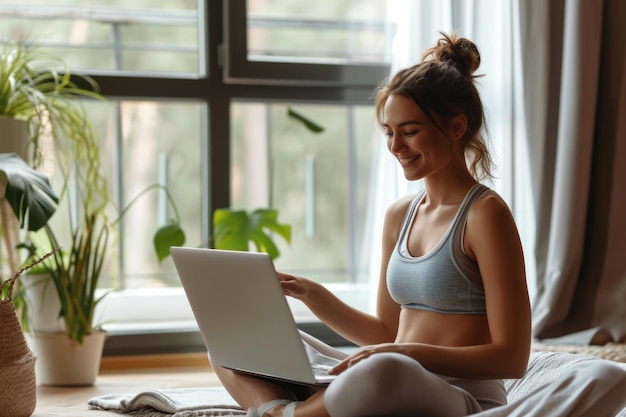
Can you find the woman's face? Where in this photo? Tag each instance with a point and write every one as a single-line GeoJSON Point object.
{"type": "Point", "coordinates": [420, 146]}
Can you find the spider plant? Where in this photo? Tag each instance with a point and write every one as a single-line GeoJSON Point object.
{"type": "Point", "coordinates": [39, 88]}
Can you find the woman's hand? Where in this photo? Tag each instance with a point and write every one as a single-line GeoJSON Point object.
{"type": "Point", "coordinates": [352, 324]}
{"type": "Point", "coordinates": [296, 287]}
{"type": "Point", "coordinates": [364, 353]}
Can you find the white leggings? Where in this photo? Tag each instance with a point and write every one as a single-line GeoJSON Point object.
{"type": "Point", "coordinates": [391, 384]}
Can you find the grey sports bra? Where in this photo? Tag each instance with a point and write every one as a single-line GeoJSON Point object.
{"type": "Point", "coordinates": [445, 279]}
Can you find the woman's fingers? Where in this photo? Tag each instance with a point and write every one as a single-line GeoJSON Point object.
{"type": "Point", "coordinates": [352, 360]}
{"type": "Point", "coordinates": [291, 285]}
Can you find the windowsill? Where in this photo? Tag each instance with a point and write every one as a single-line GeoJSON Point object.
{"type": "Point", "coordinates": [160, 320]}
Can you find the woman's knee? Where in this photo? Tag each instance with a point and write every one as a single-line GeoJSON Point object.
{"type": "Point", "coordinates": [389, 367]}
{"type": "Point", "coordinates": [373, 385]}
{"type": "Point", "coordinates": [380, 371]}
{"type": "Point", "coordinates": [377, 376]}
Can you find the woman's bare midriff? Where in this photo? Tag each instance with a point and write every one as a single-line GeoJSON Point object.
{"type": "Point", "coordinates": [419, 326]}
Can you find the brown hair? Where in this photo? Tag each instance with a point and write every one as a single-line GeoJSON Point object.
{"type": "Point", "coordinates": [443, 84]}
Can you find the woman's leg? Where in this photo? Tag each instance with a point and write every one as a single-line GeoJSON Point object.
{"type": "Point", "coordinates": [251, 391]}
{"type": "Point", "coordinates": [390, 384]}
{"type": "Point", "coordinates": [385, 384]}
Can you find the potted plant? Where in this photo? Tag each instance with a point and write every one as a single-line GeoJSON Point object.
{"type": "Point", "coordinates": [37, 89]}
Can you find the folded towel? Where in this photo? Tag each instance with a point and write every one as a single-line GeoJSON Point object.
{"type": "Point", "coordinates": [177, 402]}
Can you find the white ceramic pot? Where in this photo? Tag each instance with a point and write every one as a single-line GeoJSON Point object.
{"type": "Point", "coordinates": [42, 302]}
{"type": "Point", "coordinates": [64, 362]}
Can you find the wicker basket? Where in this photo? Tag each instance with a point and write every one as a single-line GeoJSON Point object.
{"type": "Point", "coordinates": [18, 385]}
{"type": "Point", "coordinates": [17, 366]}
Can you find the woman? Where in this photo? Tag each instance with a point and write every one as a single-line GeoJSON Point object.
{"type": "Point", "coordinates": [453, 315]}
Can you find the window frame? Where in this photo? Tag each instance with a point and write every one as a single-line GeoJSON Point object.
{"type": "Point", "coordinates": [237, 69]}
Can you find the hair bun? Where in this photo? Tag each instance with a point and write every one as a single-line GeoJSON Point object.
{"type": "Point", "coordinates": [461, 52]}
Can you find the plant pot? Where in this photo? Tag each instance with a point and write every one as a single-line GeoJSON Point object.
{"type": "Point", "coordinates": [64, 362]}
{"type": "Point", "coordinates": [17, 366]}
{"type": "Point", "coordinates": [42, 302]}
{"type": "Point", "coordinates": [14, 136]}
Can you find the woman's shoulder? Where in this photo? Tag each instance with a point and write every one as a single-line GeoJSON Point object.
{"type": "Point", "coordinates": [489, 203]}
{"type": "Point", "coordinates": [394, 216]}
{"type": "Point", "coordinates": [397, 210]}
{"type": "Point", "coordinates": [399, 207]}
{"type": "Point", "coordinates": [489, 209]}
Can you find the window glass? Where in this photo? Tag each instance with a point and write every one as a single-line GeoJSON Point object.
{"type": "Point", "coordinates": [144, 144]}
{"type": "Point", "coordinates": [318, 182]}
{"type": "Point", "coordinates": [161, 144]}
{"type": "Point", "coordinates": [345, 31]}
{"type": "Point", "coordinates": [159, 36]}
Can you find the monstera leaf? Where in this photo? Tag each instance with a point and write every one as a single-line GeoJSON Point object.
{"type": "Point", "coordinates": [235, 229]}
{"type": "Point", "coordinates": [27, 191]}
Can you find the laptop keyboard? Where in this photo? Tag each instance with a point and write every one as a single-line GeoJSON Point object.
{"type": "Point", "coordinates": [320, 370]}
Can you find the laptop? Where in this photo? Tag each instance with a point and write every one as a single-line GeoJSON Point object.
{"type": "Point", "coordinates": [243, 314]}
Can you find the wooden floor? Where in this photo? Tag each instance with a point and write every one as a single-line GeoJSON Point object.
{"type": "Point", "coordinates": [72, 401]}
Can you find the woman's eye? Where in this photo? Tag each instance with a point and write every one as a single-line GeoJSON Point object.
{"type": "Point", "coordinates": [411, 133]}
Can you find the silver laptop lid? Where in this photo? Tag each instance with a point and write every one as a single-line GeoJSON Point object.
{"type": "Point", "coordinates": [242, 313]}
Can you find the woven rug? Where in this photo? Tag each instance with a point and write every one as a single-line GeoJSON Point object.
{"type": "Point", "coordinates": [611, 351]}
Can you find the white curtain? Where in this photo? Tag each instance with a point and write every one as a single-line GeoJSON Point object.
{"type": "Point", "coordinates": [416, 25]}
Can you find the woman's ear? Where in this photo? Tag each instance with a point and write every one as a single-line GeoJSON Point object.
{"type": "Point", "coordinates": [458, 126]}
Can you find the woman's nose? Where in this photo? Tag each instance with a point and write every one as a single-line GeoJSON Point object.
{"type": "Point", "coordinates": [394, 143]}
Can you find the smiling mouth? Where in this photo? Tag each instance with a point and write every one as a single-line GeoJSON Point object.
{"type": "Point", "coordinates": [407, 161]}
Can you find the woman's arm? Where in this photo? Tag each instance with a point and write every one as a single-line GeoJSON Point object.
{"type": "Point", "coordinates": [493, 240]}
{"type": "Point", "coordinates": [355, 325]}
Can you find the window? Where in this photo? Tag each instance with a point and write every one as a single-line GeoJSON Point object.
{"type": "Point", "coordinates": [343, 32]}
{"type": "Point", "coordinates": [191, 99]}
{"type": "Point", "coordinates": [288, 42]}
{"type": "Point", "coordinates": [119, 36]}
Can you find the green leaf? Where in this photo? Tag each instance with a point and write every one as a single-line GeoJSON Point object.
{"type": "Point", "coordinates": [167, 236]}
{"type": "Point", "coordinates": [27, 191]}
{"type": "Point", "coordinates": [308, 123]}
{"type": "Point", "coordinates": [235, 229]}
